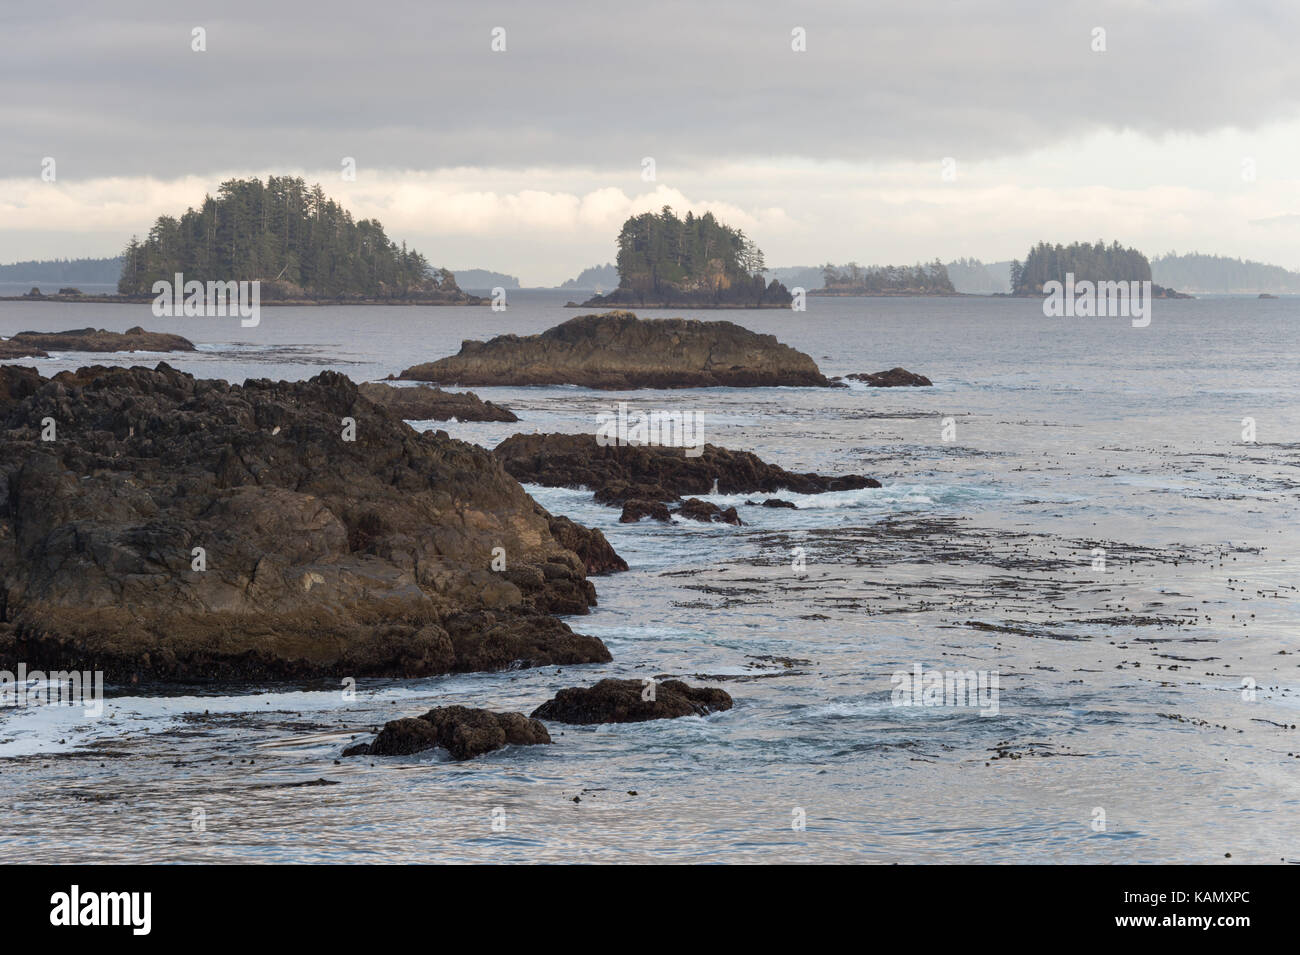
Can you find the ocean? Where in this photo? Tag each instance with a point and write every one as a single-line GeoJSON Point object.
{"type": "Point", "coordinates": [1071, 511]}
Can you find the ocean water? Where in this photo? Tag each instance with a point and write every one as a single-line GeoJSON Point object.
{"type": "Point", "coordinates": [1148, 696]}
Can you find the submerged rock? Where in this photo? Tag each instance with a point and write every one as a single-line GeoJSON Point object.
{"type": "Point", "coordinates": [618, 350]}
{"type": "Point", "coordinates": [620, 701]}
{"type": "Point", "coordinates": [463, 732]}
{"type": "Point", "coordinates": [433, 404]}
{"type": "Point", "coordinates": [181, 529]}
{"type": "Point", "coordinates": [619, 474]}
{"type": "Point", "coordinates": [36, 344]}
{"type": "Point", "coordinates": [894, 378]}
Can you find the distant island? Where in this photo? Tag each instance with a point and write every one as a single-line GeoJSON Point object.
{"type": "Point", "coordinates": [55, 271]}
{"type": "Point", "coordinates": [1092, 262]}
{"type": "Point", "coordinates": [853, 279]}
{"type": "Point", "coordinates": [665, 262]}
{"type": "Point", "coordinates": [1194, 272]}
{"type": "Point", "coordinates": [973, 277]}
{"type": "Point", "coordinates": [596, 277]}
{"type": "Point", "coordinates": [485, 279]}
{"type": "Point", "coordinates": [302, 246]}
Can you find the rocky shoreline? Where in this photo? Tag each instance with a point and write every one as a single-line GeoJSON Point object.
{"type": "Point", "coordinates": [424, 403]}
{"type": "Point", "coordinates": [160, 527]}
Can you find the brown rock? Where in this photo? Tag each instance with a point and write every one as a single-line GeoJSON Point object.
{"type": "Point", "coordinates": [696, 510]}
{"type": "Point", "coordinates": [321, 556]}
{"type": "Point", "coordinates": [638, 508]}
{"type": "Point", "coordinates": [433, 404]}
{"type": "Point", "coordinates": [618, 350]}
{"type": "Point", "coordinates": [463, 732]}
{"type": "Point", "coordinates": [638, 472]}
{"type": "Point", "coordinates": [620, 701]}
{"type": "Point", "coordinates": [894, 378]}
{"type": "Point", "coordinates": [94, 340]}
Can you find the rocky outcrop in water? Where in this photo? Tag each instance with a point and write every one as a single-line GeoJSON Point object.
{"type": "Point", "coordinates": [622, 473]}
{"type": "Point", "coordinates": [618, 350]}
{"type": "Point", "coordinates": [894, 378]}
{"type": "Point", "coordinates": [38, 344]}
{"type": "Point", "coordinates": [692, 509]}
{"type": "Point", "coordinates": [433, 404]}
{"type": "Point", "coordinates": [162, 527]}
{"type": "Point", "coordinates": [623, 701]}
{"type": "Point", "coordinates": [463, 732]}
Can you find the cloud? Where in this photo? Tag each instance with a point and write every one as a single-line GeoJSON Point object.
{"type": "Point", "coordinates": [117, 90]}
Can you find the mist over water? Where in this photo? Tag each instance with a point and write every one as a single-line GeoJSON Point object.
{"type": "Point", "coordinates": [1120, 689]}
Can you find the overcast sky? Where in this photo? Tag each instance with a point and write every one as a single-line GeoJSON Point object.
{"type": "Point", "coordinates": [1184, 133]}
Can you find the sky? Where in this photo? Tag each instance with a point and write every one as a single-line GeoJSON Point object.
{"type": "Point", "coordinates": [899, 132]}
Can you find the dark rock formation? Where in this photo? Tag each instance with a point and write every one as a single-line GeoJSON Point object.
{"type": "Point", "coordinates": [12, 349]}
{"type": "Point", "coordinates": [618, 350]}
{"type": "Point", "coordinates": [589, 544]}
{"type": "Point", "coordinates": [321, 556]}
{"type": "Point", "coordinates": [620, 701]}
{"type": "Point", "coordinates": [774, 502]}
{"type": "Point", "coordinates": [637, 508]}
{"type": "Point", "coordinates": [696, 510]}
{"type": "Point", "coordinates": [894, 378]}
{"type": "Point", "coordinates": [619, 474]}
{"type": "Point", "coordinates": [692, 509]}
{"type": "Point", "coordinates": [434, 404]}
{"type": "Point", "coordinates": [37, 344]}
{"type": "Point", "coordinates": [463, 732]}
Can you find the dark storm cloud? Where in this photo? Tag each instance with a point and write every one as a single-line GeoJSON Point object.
{"type": "Point", "coordinates": [114, 88]}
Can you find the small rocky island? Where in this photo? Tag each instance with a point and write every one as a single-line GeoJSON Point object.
{"type": "Point", "coordinates": [38, 344]}
{"type": "Point", "coordinates": [893, 378]}
{"type": "Point", "coordinates": [466, 733]}
{"type": "Point", "coordinates": [161, 527]}
{"type": "Point", "coordinates": [463, 732]}
{"type": "Point", "coordinates": [617, 350]}
{"type": "Point", "coordinates": [629, 701]}
{"type": "Point", "coordinates": [433, 404]}
{"type": "Point", "coordinates": [641, 478]}
{"type": "Point", "coordinates": [669, 262]}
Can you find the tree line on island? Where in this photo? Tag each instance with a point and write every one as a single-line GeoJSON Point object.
{"type": "Point", "coordinates": [1094, 262]}
{"type": "Point", "coordinates": [854, 279]}
{"type": "Point", "coordinates": [667, 260]}
{"type": "Point", "coordinates": [297, 242]}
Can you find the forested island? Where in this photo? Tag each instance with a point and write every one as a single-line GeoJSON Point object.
{"type": "Point", "coordinates": [301, 246]}
{"type": "Point", "coordinates": [88, 271]}
{"type": "Point", "coordinates": [1093, 262]}
{"type": "Point", "coordinates": [665, 261]}
{"type": "Point", "coordinates": [854, 279]}
{"type": "Point", "coordinates": [594, 277]}
{"type": "Point", "coordinates": [1219, 273]}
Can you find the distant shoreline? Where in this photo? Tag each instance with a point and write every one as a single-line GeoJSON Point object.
{"type": "Point", "coordinates": [146, 300]}
{"type": "Point", "coordinates": [676, 305]}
